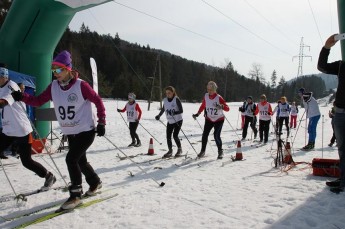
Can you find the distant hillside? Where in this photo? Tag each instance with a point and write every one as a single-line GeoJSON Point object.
{"type": "Point", "coordinates": [331, 81]}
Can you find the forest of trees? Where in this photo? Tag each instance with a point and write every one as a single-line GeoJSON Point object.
{"type": "Point", "coordinates": [125, 67]}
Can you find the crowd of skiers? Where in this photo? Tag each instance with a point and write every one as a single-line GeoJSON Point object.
{"type": "Point", "coordinates": [72, 98]}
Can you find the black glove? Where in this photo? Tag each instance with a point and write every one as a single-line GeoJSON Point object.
{"type": "Point", "coordinates": [118, 110]}
{"type": "Point", "coordinates": [17, 95]}
{"type": "Point", "coordinates": [157, 117]}
{"type": "Point", "coordinates": [241, 109]}
{"type": "Point", "coordinates": [220, 106]}
{"type": "Point", "coordinates": [100, 129]}
{"type": "Point", "coordinates": [307, 97]}
{"type": "Point", "coordinates": [195, 115]}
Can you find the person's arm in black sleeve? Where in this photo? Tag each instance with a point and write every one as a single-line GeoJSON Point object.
{"type": "Point", "coordinates": [160, 113]}
{"type": "Point", "coordinates": [322, 65]}
{"type": "Point", "coordinates": [179, 105]}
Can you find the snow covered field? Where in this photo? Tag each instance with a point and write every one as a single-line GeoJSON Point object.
{"type": "Point", "coordinates": [203, 194]}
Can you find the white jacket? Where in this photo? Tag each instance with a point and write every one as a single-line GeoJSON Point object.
{"type": "Point", "coordinates": [311, 108]}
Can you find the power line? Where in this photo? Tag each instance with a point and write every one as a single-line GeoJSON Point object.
{"type": "Point", "coordinates": [269, 22]}
{"type": "Point", "coordinates": [188, 30]}
{"type": "Point", "coordinates": [245, 28]}
{"type": "Point", "coordinates": [122, 55]}
{"type": "Point", "coordinates": [317, 27]}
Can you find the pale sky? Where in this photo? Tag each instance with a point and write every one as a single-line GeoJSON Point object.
{"type": "Point", "coordinates": [267, 32]}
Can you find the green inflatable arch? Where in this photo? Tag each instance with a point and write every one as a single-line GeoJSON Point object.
{"type": "Point", "coordinates": [29, 36]}
{"type": "Point", "coordinates": [341, 21]}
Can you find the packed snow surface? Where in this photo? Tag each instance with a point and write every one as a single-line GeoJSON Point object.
{"type": "Point", "coordinates": [203, 194]}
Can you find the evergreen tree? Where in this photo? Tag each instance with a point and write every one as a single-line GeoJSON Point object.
{"type": "Point", "coordinates": [274, 79]}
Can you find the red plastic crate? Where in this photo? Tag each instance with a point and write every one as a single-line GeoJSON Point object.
{"type": "Point", "coordinates": [326, 167]}
{"type": "Point", "coordinates": [36, 146]}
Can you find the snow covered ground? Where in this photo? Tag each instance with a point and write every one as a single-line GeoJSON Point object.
{"type": "Point", "coordinates": [203, 194]}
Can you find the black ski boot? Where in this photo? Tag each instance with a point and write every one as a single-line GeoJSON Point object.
{"type": "Point", "coordinates": [132, 144]}
{"type": "Point", "coordinates": [309, 146]}
{"type": "Point", "coordinates": [335, 183]}
{"type": "Point", "coordinates": [220, 154]}
{"type": "Point", "coordinates": [2, 156]}
{"type": "Point", "coordinates": [50, 180]}
{"type": "Point", "coordinates": [168, 154]}
{"type": "Point", "coordinates": [201, 154]}
{"type": "Point", "coordinates": [138, 144]}
{"type": "Point", "coordinates": [179, 152]}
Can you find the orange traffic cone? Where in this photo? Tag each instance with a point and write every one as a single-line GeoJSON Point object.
{"type": "Point", "coordinates": [239, 155]}
{"type": "Point", "coordinates": [151, 151]}
{"type": "Point", "coordinates": [287, 153]}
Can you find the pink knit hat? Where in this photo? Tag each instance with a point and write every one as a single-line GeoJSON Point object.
{"type": "Point", "coordinates": [63, 59]}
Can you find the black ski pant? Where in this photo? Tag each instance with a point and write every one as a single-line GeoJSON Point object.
{"type": "Point", "coordinates": [264, 129]}
{"type": "Point", "coordinates": [281, 122]}
{"type": "Point", "coordinates": [133, 131]}
{"type": "Point", "coordinates": [217, 131]}
{"type": "Point", "coordinates": [174, 129]}
{"type": "Point", "coordinates": [24, 150]}
{"type": "Point", "coordinates": [252, 121]}
{"type": "Point", "coordinates": [76, 158]}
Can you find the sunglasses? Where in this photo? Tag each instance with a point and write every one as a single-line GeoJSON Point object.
{"type": "Point", "coordinates": [57, 70]}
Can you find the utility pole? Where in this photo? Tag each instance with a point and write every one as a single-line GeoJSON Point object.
{"type": "Point", "coordinates": [300, 57]}
{"type": "Point", "coordinates": [153, 83]}
{"type": "Point", "coordinates": [160, 81]}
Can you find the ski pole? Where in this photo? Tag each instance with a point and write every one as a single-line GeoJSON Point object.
{"type": "Point", "coordinates": [185, 135]}
{"type": "Point", "coordinates": [149, 133]}
{"type": "Point", "coordinates": [323, 119]}
{"type": "Point", "coordinates": [162, 122]}
{"type": "Point", "coordinates": [299, 124]}
{"type": "Point", "coordinates": [3, 169]}
{"type": "Point", "coordinates": [160, 184]}
{"type": "Point", "coordinates": [232, 127]}
{"type": "Point", "coordinates": [44, 145]}
{"type": "Point", "coordinates": [238, 117]}
{"type": "Point", "coordinates": [124, 120]}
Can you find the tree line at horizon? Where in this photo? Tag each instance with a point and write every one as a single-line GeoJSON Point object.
{"type": "Point", "coordinates": [126, 67]}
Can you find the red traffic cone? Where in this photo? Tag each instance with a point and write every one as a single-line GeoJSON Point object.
{"type": "Point", "coordinates": [287, 153]}
{"type": "Point", "coordinates": [151, 151]}
{"type": "Point", "coordinates": [239, 155]}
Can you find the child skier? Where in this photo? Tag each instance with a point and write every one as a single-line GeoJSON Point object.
{"type": "Point", "coordinates": [72, 99]}
{"type": "Point", "coordinates": [173, 111]}
{"type": "Point", "coordinates": [133, 117]}
{"type": "Point", "coordinates": [213, 104]}
{"type": "Point", "coordinates": [284, 113]}
{"type": "Point", "coordinates": [250, 117]}
{"type": "Point", "coordinates": [243, 114]}
{"type": "Point", "coordinates": [265, 112]}
{"type": "Point", "coordinates": [17, 129]}
{"type": "Point", "coordinates": [313, 113]}
{"type": "Point", "coordinates": [293, 115]}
